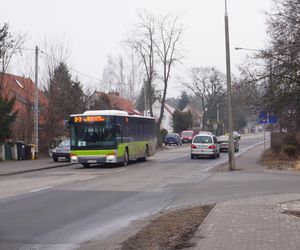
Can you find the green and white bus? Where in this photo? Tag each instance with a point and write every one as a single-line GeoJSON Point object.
{"type": "Point", "coordinates": [111, 137]}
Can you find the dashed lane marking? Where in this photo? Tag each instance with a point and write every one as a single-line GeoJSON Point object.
{"type": "Point", "coordinates": [87, 178]}
{"type": "Point", "coordinates": [40, 189]}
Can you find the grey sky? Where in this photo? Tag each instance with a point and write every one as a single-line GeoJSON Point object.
{"type": "Point", "coordinates": [93, 29]}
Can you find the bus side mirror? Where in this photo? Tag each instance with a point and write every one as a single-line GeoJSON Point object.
{"type": "Point", "coordinates": [118, 128]}
{"type": "Point", "coordinates": [66, 124]}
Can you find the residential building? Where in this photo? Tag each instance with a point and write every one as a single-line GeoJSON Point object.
{"type": "Point", "coordinates": [197, 116]}
{"type": "Point", "coordinates": [22, 89]}
{"type": "Point", "coordinates": [167, 121]}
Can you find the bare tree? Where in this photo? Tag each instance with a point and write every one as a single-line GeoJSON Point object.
{"type": "Point", "coordinates": [10, 45]}
{"type": "Point", "coordinates": [142, 42]}
{"type": "Point", "coordinates": [166, 45]}
{"type": "Point", "coordinates": [123, 75]}
{"type": "Point", "coordinates": [208, 84]}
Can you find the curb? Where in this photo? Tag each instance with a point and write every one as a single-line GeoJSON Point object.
{"type": "Point", "coordinates": [36, 169]}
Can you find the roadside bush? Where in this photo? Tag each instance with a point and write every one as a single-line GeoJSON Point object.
{"type": "Point", "coordinates": [276, 141]}
{"type": "Point", "coordinates": [290, 150]}
{"type": "Point", "coordinates": [290, 139]}
{"type": "Point", "coordinates": [163, 134]}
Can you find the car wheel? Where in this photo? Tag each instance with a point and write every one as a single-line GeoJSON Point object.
{"type": "Point", "coordinates": [125, 159]}
{"type": "Point", "coordinates": [55, 158]}
{"type": "Point", "coordinates": [215, 156]}
{"type": "Point", "coordinates": [192, 156]}
{"type": "Point", "coordinates": [145, 158]}
{"type": "Point", "coordinates": [85, 165]}
{"type": "Point", "coordinates": [218, 155]}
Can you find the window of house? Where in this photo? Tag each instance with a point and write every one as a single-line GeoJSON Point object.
{"type": "Point", "coordinates": [20, 84]}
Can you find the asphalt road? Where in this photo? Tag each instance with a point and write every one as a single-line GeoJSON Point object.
{"type": "Point", "coordinates": [61, 208]}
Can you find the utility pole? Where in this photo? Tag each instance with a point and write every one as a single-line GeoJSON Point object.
{"type": "Point", "coordinates": [36, 105]}
{"type": "Point", "coordinates": [231, 156]}
{"type": "Point", "coordinates": [145, 98]}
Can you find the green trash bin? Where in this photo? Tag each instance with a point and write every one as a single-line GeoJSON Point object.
{"type": "Point", "coordinates": [8, 154]}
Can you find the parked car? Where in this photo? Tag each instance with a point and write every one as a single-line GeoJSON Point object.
{"type": "Point", "coordinates": [187, 136]}
{"type": "Point", "coordinates": [223, 141]}
{"type": "Point", "coordinates": [62, 151]}
{"type": "Point", "coordinates": [173, 138]}
{"type": "Point", "coordinates": [205, 145]}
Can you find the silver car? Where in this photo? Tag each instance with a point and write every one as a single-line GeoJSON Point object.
{"type": "Point", "coordinates": [205, 145]}
{"type": "Point", "coordinates": [223, 141]}
{"type": "Point", "coordinates": [62, 151]}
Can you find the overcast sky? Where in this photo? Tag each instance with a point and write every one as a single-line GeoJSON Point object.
{"type": "Point", "coordinates": [93, 29]}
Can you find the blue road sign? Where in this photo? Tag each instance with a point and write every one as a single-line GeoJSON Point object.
{"type": "Point", "coordinates": [263, 117]}
{"type": "Point", "coordinates": [272, 119]}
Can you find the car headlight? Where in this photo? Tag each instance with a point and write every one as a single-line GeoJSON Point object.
{"type": "Point", "coordinates": [54, 150]}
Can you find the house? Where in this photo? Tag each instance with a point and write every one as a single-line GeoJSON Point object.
{"type": "Point", "coordinates": [167, 122]}
{"type": "Point", "coordinates": [197, 116]}
{"type": "Point", "coordinates": [22, 89]}
{"type": "Point", "coordinates": [112, 100]}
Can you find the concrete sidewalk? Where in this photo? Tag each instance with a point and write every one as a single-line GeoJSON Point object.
{"type": "Point", "coordinates": [19, 167]}
{"type": "Point", "coordinates": [253, 223]}
{"type": "Point", "coordinates": [261, 222]}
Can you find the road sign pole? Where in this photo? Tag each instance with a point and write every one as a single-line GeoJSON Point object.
{"type": "Point", "coordinates": [264, 137]}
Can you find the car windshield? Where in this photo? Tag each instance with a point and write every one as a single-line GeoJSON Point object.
{"type": "Point", "coordinates": [223, 138]}
{"type": "Point", "coordinates": [171, 136]}
{"type": "Point", "coordinates": [65, 143]}
{"type": "Point", "coordinates": [187, 133]}
{"type": "Point", "coordinates": [202, 139]}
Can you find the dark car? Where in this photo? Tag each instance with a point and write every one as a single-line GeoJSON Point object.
{"type": "Point", "coordinates": [62, 151]}
{"type": "Point", "coordinates": [173, 138]}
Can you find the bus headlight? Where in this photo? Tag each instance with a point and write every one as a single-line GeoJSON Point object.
{"type": "Point", "coordinates": [74, 158]}
{"type": "Point", "coordinates": [111, 158]}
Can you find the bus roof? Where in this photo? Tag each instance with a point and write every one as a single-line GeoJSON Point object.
{"type": "Point", "coordinates": [109, 112]}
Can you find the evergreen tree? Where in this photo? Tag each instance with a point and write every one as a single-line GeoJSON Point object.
{"type": "Point", "coordinates": [7, 117]}
{"type": "Point", "coordinates": [181, 120]}
{"type": "Point", "coordinates": [183, 101]}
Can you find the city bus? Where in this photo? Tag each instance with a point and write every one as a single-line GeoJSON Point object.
{"type": "Point", "coordinates": [111, 137]}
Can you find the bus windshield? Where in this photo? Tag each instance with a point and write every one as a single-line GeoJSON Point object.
{"type": "Point", "coordinates": [93, 136]}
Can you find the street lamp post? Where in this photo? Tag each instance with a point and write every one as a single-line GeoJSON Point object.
{"type": "Point", "coordinates": [231, 156]}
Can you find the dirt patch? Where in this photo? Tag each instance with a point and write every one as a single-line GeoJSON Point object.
{"type": "Point", "coordinates": [279, 161]}
{"type": "Point", "coordinates": [295, 213]}
{"type": "Point", "coordinates": [173, 230]}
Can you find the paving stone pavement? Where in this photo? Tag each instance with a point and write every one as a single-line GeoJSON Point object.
{"type": "Point", "coordinates": [250, 224]}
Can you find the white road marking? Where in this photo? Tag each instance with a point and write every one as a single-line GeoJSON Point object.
{"type": "Point", "coordinates": [87, 178]}
{"type": "Point", "coordinates": [39, 189]}
{"type": "Point", "coordinates": [121, 170]}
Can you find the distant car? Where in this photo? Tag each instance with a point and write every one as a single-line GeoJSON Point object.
{"type": "Point", "coordinates": [223, 141]}
{"type": "Point", "coordinates": [236, 135]}
{"type": "Point", "coordinates": [205, 132]}
{"type": "Point", "coordinates": [187, 136]}
{"type": "Point", "coordinates": [205, 145]}
{"type": "Point", "coordinates": [173, 138]}
{"type": "Point", "coordinates": [62, 151]}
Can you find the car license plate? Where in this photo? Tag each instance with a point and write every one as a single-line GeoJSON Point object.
{"type": "Point", "coordinates": [91, 161]}
{"type": "Point", "coordinates": [61, 158]}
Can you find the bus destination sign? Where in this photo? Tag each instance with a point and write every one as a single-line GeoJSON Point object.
{"type": "Point", "coordinates": [81, 119]}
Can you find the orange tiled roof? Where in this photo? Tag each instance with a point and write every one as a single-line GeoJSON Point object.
{"type": "Point", "coordinates": [22, 89]}
{"type": "Point", "coordinates": [120, 103]}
